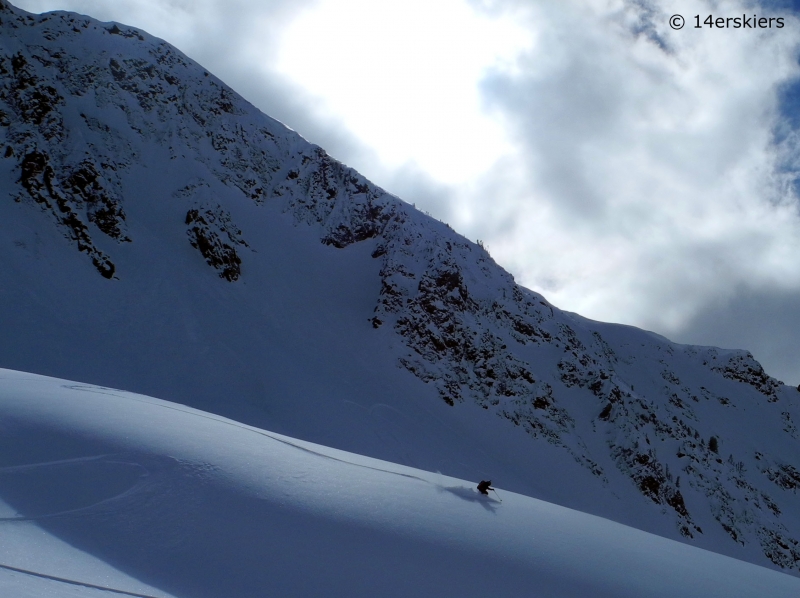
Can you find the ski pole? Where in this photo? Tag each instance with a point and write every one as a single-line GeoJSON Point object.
{"type": "Point", "coordinates": [498, 496]}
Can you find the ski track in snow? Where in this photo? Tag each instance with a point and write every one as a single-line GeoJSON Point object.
{"type": "Point", "coordinates": [80, 460]}
{"type": "Point", "coordinates": [74, 582]}
{"type": "Point", "coordinates": [228, 422]}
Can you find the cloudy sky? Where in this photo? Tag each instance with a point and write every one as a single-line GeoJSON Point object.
{"type": "Point", "coordinates": [628, 171]}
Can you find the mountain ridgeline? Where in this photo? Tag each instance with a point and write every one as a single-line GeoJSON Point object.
{"type": "Point", "coordinates": [162, 235]}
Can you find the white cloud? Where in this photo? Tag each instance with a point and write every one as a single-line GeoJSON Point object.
{"type": "Point", "coordinates": [647, 185]}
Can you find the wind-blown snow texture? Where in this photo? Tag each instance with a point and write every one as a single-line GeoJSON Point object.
{"type": "Point", "coordinates": [104, 488]}
{"type": "Point", "coordinates": [160, 234]}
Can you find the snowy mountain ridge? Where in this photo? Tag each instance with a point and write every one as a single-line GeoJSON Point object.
{"type": "Point", "coordinates": [287, 291]}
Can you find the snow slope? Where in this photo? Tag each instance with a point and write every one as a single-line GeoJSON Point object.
{"type": "Point", "coordinates": [113, 489]}
{"type": "Point", "coordinates": [160, 234]}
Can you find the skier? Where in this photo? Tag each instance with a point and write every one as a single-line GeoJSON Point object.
{"type": "Point", "coordinates": [484, 487]}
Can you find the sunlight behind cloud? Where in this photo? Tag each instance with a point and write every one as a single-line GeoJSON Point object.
{"type": "Point", "coordinates": [404, 77]}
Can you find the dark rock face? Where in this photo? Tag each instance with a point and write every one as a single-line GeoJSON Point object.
{"type": "Point", "coordinates": [206, 230]}
{"type": "Point", "coordinates": [743, 368]}
{"type": "Point", "coordinates": [785, 476]}
{"type": "Point", "coordinates": [32, 99]}
{"type": "Point", "coordinates": [72, 201]}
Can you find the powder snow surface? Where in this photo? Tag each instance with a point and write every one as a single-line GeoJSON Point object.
{"type": "Point", "coordinates": [108, 489]}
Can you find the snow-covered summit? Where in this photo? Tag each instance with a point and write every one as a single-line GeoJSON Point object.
{"type": "Point", "coordinates": [162, 235]}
